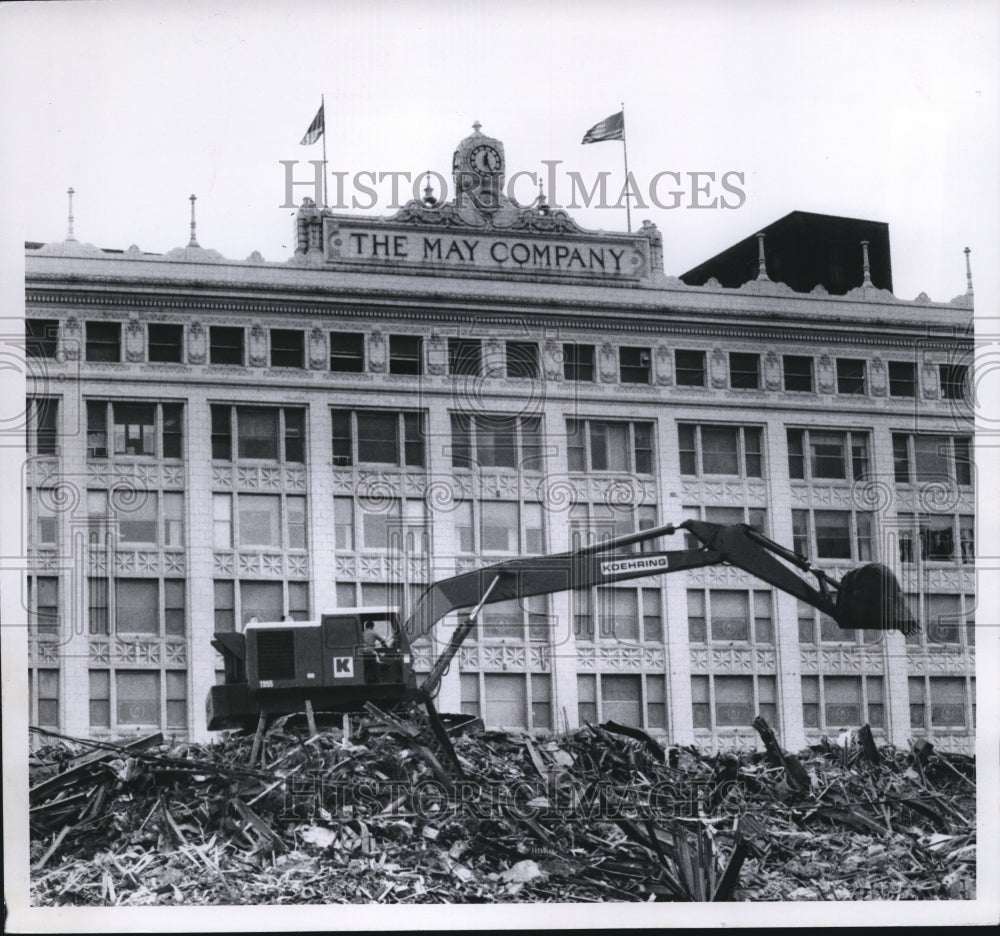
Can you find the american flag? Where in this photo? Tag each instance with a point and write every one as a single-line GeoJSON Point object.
{"type": "Point", "coordinates": [611, 128]}
{"type": "Point", "coordinates": [315, 130]}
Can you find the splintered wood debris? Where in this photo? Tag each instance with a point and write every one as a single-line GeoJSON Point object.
{"type": "Point", "coordinates": [602, 814]}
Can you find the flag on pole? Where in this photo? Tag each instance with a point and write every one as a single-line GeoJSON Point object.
{"type": "Point", "coordinates": [315, 130]}
{"type": "Point", "coordinates": [611, 128]}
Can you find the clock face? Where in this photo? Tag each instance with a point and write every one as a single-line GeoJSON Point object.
{"type": "Point", "coordinates": [485, 159]}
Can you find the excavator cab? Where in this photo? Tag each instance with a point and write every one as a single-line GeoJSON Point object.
{"type": "Point", "coordinates": [348, 657]}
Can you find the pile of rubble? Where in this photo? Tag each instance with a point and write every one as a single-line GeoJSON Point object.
{"type": "Point", "coordinates": [602, 814]}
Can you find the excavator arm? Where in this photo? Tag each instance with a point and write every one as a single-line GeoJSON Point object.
{"type": "Point", "coordinates": [867, 598]}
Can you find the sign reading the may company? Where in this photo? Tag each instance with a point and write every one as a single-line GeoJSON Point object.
{"type": "Point", "coordinates": [507, 253]}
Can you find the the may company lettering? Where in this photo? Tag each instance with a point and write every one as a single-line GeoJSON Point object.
{"type": "Point", "coordinates": [492, 252]}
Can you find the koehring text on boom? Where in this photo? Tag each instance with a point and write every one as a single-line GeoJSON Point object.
{"type": "Point", "coordinates": [368, 188]}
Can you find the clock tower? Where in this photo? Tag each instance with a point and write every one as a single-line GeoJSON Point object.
{"type": "Point", "coordinates": [478, 169]}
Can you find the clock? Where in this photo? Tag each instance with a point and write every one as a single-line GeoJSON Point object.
{"type": "Point", "coordinates": [485, 159]}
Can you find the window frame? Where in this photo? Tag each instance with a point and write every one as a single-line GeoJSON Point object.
{"type": "Point", "coordinates": [847, 379]}
{"type": "Point", "coordinates": [639, 372]}
{"type": "Point", "coordinates": [221, 345]}
{"type": "Point", "coordinates": [742, 452]}
{"type": "Point", "coordinates": [161, 343]}
{"type": "Point", "coordinates": [291, 433]}
{"type": "Point", "coordinates": [477, 439]}
{"type": "Point", "coordinates": [99, 349]}
{"type": "Point", "coordinates": [465, 357]}
{"type": "Point", "coordinates": [234, 618]}
{"type": "Point", "coordinates": [291, 352]}
{"type": "Point", "coordinates": [904, 450]}
{"type": "Point", "coordinates": [579, 362]}
{"type": "Point", "coordinates": [870, 701]}
{"type": "Point", "coordinates": [857, 466]}
{"type": "Point", "coordinates": [636, 456]}
{"type": "Point", "coordinates": [521, 360]}
{"type": "Point", "coordinates": [686, 369]}
{"type": "Point", "coordinates": [41, 338]}
{"type": "Point", "coordinates": [352, 357]}
{"type": "Point", "coordinates": [411, 433]}
{"type": "Point", "coordinates": [408, 362]}
{"type": "Point", "coordinates": [900, 383]}
{"type": "Point", "coordinates": [739, 376]}
{"type": "Point", "coordinates": [166, 413]}
{"type": "Point", "coordinates": [854, 534]}
{"type": "Point", "coordinates": [789, 377]}
{"type": "Point", "coordinates": [711, 705]}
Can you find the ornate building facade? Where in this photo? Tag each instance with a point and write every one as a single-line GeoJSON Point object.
{"type": "Point", "coordinates": [213, 440]}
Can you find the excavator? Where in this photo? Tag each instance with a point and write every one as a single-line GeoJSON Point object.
{"type": "Point", "coordinates": [276, 668]}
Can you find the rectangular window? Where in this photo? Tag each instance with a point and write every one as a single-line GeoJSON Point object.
{"type": "Point", "coordinates": [343, 523]}
{"type": "Point", "coordinates": [406, 355]}
{"type": "Point", "coordinates": [744, 371]}
{"type": "Point", "coordinates": [931, 458]}
{"type": "Point", "coordinates": [383, 437]}
{"type": "Point", "coordinates": [296, 512]}
{"type": "Point", "coordinates": [287, 347]}
{"type": "Point", "coordinates": [137, 606]}
{"type": "Point", "coordinates": [902, 379]}
{"type": "Point", "coordinates": [257, 433]}
{"type": "Point", "coordinates": [939, 538]}
{"type": "Point", "coordinates": [690, 368]}
{"type": "Point", "coordinates": [138, 697]}
{"type": "Point", "coordinates": [165, 343]}
{"type": "Point", "coordinates": [225, 345]}
{"type": "Point", "coordinates": [798, 373]}
{"type": "Point", "coordinates": [43, 422]}
{"type": "Point", "coordinates": [621, 699]}
{"type": "Point", "coordinates": [47, 706]}
{"type": "Point", "coordinates": [176, 699]}
{"type": "Point", "coordinates": [541, 700]}
{"type": "Point", "coordinates": [222, 521]}
{"type": "Point", "coordinates": [104, 341]}
{"type": "Point", "coordinates": [469, 693]}
{"type": "Point", "coordinates": [46, 517]}
{"type": "Point", "coordinates": [522, 360]}
{"type": "Point", "coordinates": [720, 450]}
{"type": "Point", "coordinates": [222, 433]}
{"type": "Point", "coordinates": [298, 601]}
{"type": "Point", "coordinates": [618, 613]}
{"type": "Point", "coordinates": [496, 441]}
{"type": "Point", "coordinates": [830, 456]}
{"type": "Point", "coordinates": [733, 701]}
{"type": "Point", "coordinates": [174, 618]}
{"type": "Point", "coordinates": [851, 376]}
{"type": "Point", "coordinates": [134, 428]}
{"type": "Point", "coordinates": [834, 534]}
{"type": "Point", "coordinates": [586, 694]}
{"type": "Point", "coordinates": [634, 365]}
{"type": "Point", "coordinates": [506, 700]}
{"type": "Point", "coordinates": [261, 600]}
{"type": "Point", "coordinates": [578, 362]}
{"type": "Point", "coordinates": [97, 430]}
{"type": "Point", "coordinates": [609, 446]}
{"type": "Point", "coordinates": [947, 695]}
{"type": "Point", "coordinates": [376, 526]}
{"type": "Point", "coordinates": [259, 520]}
{"type": "Point", "coordinates": [347, 353]}
{"type": "Point", "coordinates": [41, 338]}
{"type": "Point", "coordinates": [499, 526]}
{"type": "Point", "coordinates": [465, 357]}
{"type": "Point", "coordinates": [138, 523]}
{"type": "Point", "coordinates": [100, 699]}
{"type": "Point", "coordinates": [954, 379]}
{"type": "Point", "coordinates": [225, 606]}
{"type": "Point", "coordinates": [44, 604]}
{"type": "Point", "coordinates": [97, 606]}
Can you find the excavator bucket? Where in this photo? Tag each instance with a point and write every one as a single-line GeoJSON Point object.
{"type": "Point", "coordinates": [870, 598]}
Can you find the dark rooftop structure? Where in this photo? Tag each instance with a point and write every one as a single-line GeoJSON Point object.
{"type": "Point", "coordinates": [805, 250]}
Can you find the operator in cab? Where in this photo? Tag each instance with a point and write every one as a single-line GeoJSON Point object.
{"type": "Point", "coordinates": [371, 640]}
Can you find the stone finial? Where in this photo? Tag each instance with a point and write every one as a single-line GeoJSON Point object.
{"type": "Point", "coordinates": [194, 240]}
{"type": "Point", "coordinates": [69, 228]}
{"type": "Point", "coordinates": [865, 266]}
{"type": "Point", "coordinates": [968, 270]}
{"type": "Point", "coordinates": [477, 126]}
{"type": "Point", "coordinates": [761, 262]}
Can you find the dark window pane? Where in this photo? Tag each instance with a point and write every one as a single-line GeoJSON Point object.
{"type": "Point", "coordinates": [46, 421]}
{"type": "Point", "coordinates": [901, 458]}
{"type": "Point", "coordinates": [634, 365]}
{"type": "Point", "coordinates": [225, 345]}
{"type": "Point", "coordinates": [97, 430]}
{"type": "Point", "coordinates": [902, 379]}
{"type": "Point", "coordinates": [41, 337]}
{"type": "Point", "coordinates": [257, 432]}
{"type": "Point", "coordinates": [295, 435]}
{"type": "Point", "coordinates": [342, 455]}
{"type": "Point", "coordinates": [798, 373]}
{"type": "Point", "coordinates": [522, 359]}
{"type": "Point", "coordinates": [578, 362]}
{"type": "Point", "coordinates": [464, 357]}
{"type": "Point", "coordinates": [166, 343]}
{"type": "Point", "coordinates": [378, 438]}
{"type": "Point", "coordinates": [347, 353]}
{"type": "Point", "coordinates": [690, 367]}
{"type": "Point", "coordinates": [850, 376]}
{"type": "Point", "coordinates": [172, 432]}
{"type": "Point", "coordinates": [413, 436]}
{"type": "Point", "coordinates": [744, 371]}
{"type": "Point", "coordinates": [687, 450]}
{"type": "Point", "coordinates": [287, 347]}
{"type": "Point", "coordinates": [405, 354]}
{"type": "Point", "coordinates": [222, 439]}
{"type": "Point", "coordinates": [104, 341]}
{"type": "Point", "coordinates": [719, 450]}
{"type": "Point", "coordinates": [953, 381]}
{"type": "Point", "coordinates": [134, 429]}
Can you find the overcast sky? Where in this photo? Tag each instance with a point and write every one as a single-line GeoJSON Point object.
{"type": "Point", "coordinates": [879, 110]}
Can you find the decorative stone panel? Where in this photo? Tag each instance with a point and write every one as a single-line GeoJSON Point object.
{"type": "Point", "coordinates": [222, 477]}
{"type": "Point", "coordinates": [223, 564]}
{"type": "Point", "coordinates": [663, 359]}
{"type": "Point", "coordinates": [941, 661]}
{"type": "Point", "coordinates": [175, 653]}
{"type": "Point", "coordinates": [877, 377]}
{"type": "Point", "coordinates": [619, 658]}
{"type": "Point", "coordinates": [319, 351]}
{"type": "Point", "coordinates": [502, 657]}
{"type": "Point", "coordinates": [825, 374]}
{"type": "Point", "coordinates": [258, 346]}
{"type": "Point", "coordinates": [377, 353]}
{"type": "Point", "coordinates": [197, 343]}
{"type": "Point", "coordinates": [724, 493]}
{"type": "Point", "coordinates": [772, 371]}
{"type": "Point", "coordinates": [608, 363]}
{"type": "Point", "coordinates": [468, 657]}
{"type": "Point", "coordinates": [174, 563]}
{"type": "Point", "coordinates": [135, 562]}
{"type": "Point", "coordinates": [135, 341]}
{"type": "Point", "coordinates": [733, 660]}
{"type": "Point", "coordinates": [345, 568]}
{"type": "Point", "coordinates": [842, 660]}
{"type": "Point", "coordinates": [135, 651]}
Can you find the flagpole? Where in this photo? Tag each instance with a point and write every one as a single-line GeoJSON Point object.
{"type": "Point", "coordinates": [322, 107]}
{"type": "Point", "coordinates": [628, 188]}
